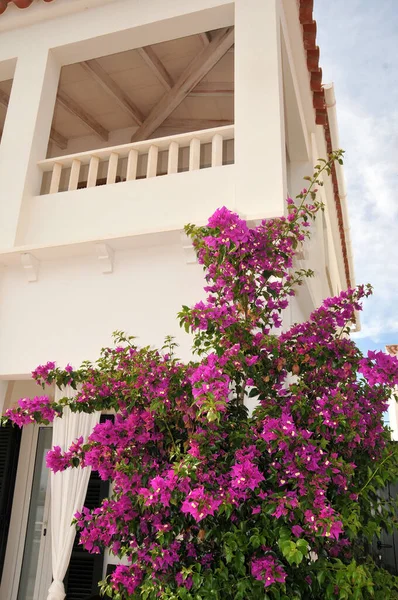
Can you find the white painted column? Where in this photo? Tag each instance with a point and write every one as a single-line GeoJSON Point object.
{"type": "Point", "coordinates": [194, 154]}
{"type": "Point", "coordinates": [260, 156]}
{"type": "Point", "coordinates": [216, 150]}
{"type": "Point", "coordinates": [152, 165]}
{"type": "Point", "coordinates": [132, 163]}
{"type": "Point", "coordinates": [393, 418]}
{"type": "Point", "coordinates": [55, 178]}
{"type": "Point", "coordinates": [25, 136]}
{"type": "Point", "coordinates": [74, 175]}
{"type": "Point", "coordinates": [92, 172]}
{"type": "Point", "coordinates": [172, 161]}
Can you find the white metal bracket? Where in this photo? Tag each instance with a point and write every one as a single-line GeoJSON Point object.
{"type": "Point", "coordinates": [31, 266]}
{"type": "Point", "coordinates": [189, 250]}
{"type": "Point", "coordinates": [105, 255]}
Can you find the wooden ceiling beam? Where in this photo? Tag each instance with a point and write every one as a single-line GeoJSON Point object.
{"type": "Point", "coordinates": [189, 79]}
{"type": "Point", "coordinates": [156, 66]}
{"type": "Point", "coordinates": [213, 88]}
{"type": "Point", "coordinates": [58, 139]}
{"type": "Point", "coordinates": [195, 124]}
{"type": "Point", "coordinates": [112, 88]}
{"type": "Point", "coordinates": [4, 99]}
{"type": "Point", "coordinates": [75, 109]}
{"type": "Point", "coordinates": [174, 126]}
{"type": "Point", "coordinates": [204, 38]}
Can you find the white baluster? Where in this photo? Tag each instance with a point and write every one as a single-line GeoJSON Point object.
{"type": "Point", "coordinates": [93, 172]}
{"type": "Point", "coordinates": [55, 178]}
{"type": "Point", "coordinates": [74, 174]}
{"type": "Point", "coordinates": [194, 154]}
{"type": "Point", "coordinates": [152, 166]}
{"type": "Point", "coordinates": [132, 162]}
{"type": "Point", "coordinates": [216, 150]}
{"type": "Point", "coordinates": [112, 168]}
{"type": "Point", "coordinates": [172, 163]}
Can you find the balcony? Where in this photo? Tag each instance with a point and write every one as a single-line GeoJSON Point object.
{"type": "Point", "coordinates": [137, 142]}
{"type": "Point", "coordinates": [169, 155]}
{"type": "Point", "coordinates": [149, 187]}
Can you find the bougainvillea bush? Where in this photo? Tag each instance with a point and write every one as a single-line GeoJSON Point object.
{"type": "Point", "coordinates": [209, 502]}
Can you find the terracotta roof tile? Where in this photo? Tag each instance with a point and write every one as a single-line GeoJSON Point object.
{"type": "Point", "coordinates": [309, 34]}
{"type": "Point", "coordinates": [19, 3]}
{"type": "Point", "coordinates": [392, 349]}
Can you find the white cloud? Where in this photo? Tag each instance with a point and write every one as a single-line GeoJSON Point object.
{"type": "Point", "coordinates": [371, 171]}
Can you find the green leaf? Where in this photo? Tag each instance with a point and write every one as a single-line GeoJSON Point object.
{"type": "Point", "coordinates": [228, 554]}
{"type": "Point", "coordinates": [302, 545]}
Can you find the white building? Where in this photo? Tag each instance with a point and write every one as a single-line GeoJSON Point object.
{"type": "Point", "coordinates": [123, 120]}
{"type": "Point", "coordinates": [392, 415]}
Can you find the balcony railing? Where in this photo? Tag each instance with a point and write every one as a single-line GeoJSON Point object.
{"type": "Point", "coordinates": [139, 160]}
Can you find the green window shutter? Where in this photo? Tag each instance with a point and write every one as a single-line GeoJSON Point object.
{"type": "Point", "coordinates": [10, 441]}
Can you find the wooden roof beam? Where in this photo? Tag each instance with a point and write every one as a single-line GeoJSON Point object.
{"type": "Point", "coordinates": [111, 87]}
{"type": "Point", "coordinates": [4, 99]}
{"type": "Point", "coordinates": [75, 109]}
{"type": "Point", "coordinates": [213, 88]}
{"type": "Point", "coordinates": [55, 137]}
{"type": "Point", "coordinates": [195, 124]}
{"type": "Point", "coordinates": [58, 139]}
{"type": "Point", "coordinates": [156, 66]}
{"type": "Point", "coordinates": [189, 79]}
{"type": "Point", "coordinates": [204, 38]}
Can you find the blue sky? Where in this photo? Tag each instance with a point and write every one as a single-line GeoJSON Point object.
{"type": "Point", "coordinates": [358, 41]}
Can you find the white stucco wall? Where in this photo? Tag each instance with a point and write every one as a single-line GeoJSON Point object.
{"type": "Point", "coordinates": [71, 313]}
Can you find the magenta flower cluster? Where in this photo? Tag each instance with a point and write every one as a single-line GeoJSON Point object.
{"type": "Point", "coordinates": [30, 410]}
{"type": "Point", "coordinates": [267, 570]}
{"type": "Point", "coordinates": [379, 367]}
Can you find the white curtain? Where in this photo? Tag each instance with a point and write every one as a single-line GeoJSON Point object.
{"type": "Point", "coordinates": [68, 491]}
